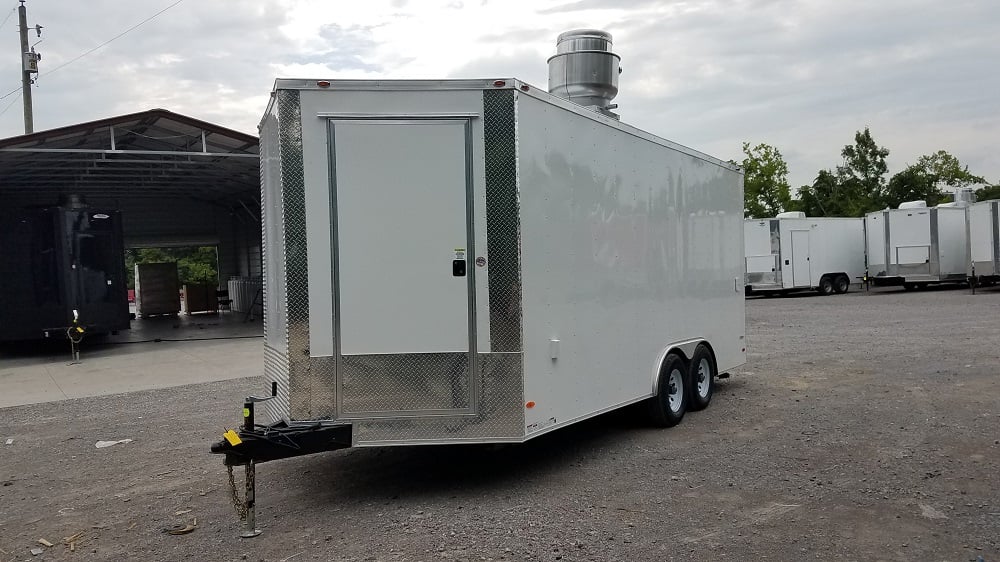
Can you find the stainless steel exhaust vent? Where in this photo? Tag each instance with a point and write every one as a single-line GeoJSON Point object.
{"type": "Point", "coordinates": [584, 70]}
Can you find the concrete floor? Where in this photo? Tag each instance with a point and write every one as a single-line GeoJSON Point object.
{"type": "Point", "coordinates": [157, 352]}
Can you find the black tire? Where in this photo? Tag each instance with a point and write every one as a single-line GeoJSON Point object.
{"type": "Point", "coordinates": [909, 286]}
{"type": "Point", "coordinates": [659, 410]}
{"type": "Point", "coordinates": [825, 286]}
{"type": "Point", "coordinates": [701, 377]}
{"type": "Point", "coordinates": [841, 284]}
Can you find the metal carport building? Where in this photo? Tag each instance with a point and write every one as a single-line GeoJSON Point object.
{"type": "Point", "coordinates": [177, 181]}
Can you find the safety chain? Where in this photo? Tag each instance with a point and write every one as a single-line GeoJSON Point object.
{"type": "Point", "coordinates": [240, 505]}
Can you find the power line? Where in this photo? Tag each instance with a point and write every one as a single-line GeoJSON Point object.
{"type": "Point", "coordinates": [11, 13]}
{"type": "Point", "coordinates": [120, 35]}
{"type": "Point", "coordinates": [78, 57]}
{"type": "Point", "coordinates": [14, 91]}
{"type": "Point", "coordinates": [12, 102]}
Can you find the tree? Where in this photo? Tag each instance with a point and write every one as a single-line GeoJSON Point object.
{"type": "Point", "coordinates": [821, 198]}
{"type": "Point", "coordinates": [862, 177]}
{"type": "Point", "coordinates": [927, 180]}
{"type": "Point", "coordinates": [765, 184]}
{"type": "Point", "coordinates": [912, 184]}
{"type": "Point", "coordinates": [988, 192]}
{"type": "Point", "coordinates": [195, 265]}
{"type": "Point", "coordinates": [946, 170]}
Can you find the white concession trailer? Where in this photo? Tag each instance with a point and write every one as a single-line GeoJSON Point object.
{"type": "Point", "coordinates": [984, 242]}
{"type": "Point", "coordinates": [481, 261]}
{"type": "Point", "coordinates": [916, 245]}
{"type": "Point", "coordinates": [793, 252]}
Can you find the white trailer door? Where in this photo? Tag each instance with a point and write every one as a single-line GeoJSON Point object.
{"type": "Point", "coordinates": [403, 235]}
{"type": "Point", "coordinates": [800, 259]}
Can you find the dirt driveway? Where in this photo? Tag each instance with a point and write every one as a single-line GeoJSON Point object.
{"type": "Point", "coordinates": [866, 427]}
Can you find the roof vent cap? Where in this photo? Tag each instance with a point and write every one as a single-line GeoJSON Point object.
{"type": "Point", "coordinates": [584, 70]}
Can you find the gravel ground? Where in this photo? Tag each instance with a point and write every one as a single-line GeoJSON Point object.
{"type": "Point", "coordinates": [865, 427]}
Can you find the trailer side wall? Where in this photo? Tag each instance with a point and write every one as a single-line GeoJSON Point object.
{"type": "Point", "coordinates": [875, 242]}
{"type": "Point", "coordinates": [952, 242]}
{"type": "Point", "coordinates": [628, 246]}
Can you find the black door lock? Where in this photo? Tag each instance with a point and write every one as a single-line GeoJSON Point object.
{"type": "Point", "coordinates": [458, 268]}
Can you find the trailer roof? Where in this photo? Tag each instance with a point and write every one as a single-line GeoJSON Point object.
{"type": "Point", "coordinates": [154, 153]}
{"type": "Point", "coordinates": [521, 86]}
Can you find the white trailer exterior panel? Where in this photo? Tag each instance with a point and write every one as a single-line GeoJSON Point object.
{"type": "Point", "coordinates": [762, 245]}
{"type": "Point", "coordinates": [921, 245]}
{"type": "Point", "coordinates": [875, 253]}
{"type": "Point", "coordinates": [984, 240]}
{"type": "Point", "coordinates": [804, 252]}
{"type": "Point", "coordinates": [451, 261]}
{"type": "Point", "coordinates": [627, 248]}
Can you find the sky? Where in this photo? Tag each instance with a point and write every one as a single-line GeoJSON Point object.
{"type": "Point", "coordinates": [803, 76]}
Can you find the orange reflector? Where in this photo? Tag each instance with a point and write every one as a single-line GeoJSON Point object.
{"type": "Point", "coordinates": [323, 84]}
{"type": "Point", "coordinates": [499, 83]}
{"type": "Point", "coordinates": [529, 405]}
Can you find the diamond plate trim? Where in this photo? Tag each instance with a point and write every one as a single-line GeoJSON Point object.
{"type": "Point", "coordinates": [276, 369]}
{"type": "Point", "coordinates": [397, 383]}
{"type": "Point", "coordinates": [295, 253]}
{"type": "Point", "coordinates": [275, 359]}
{"type": "Point", "coordinates": [503, 228]}
{"type": "Point", "coordinates": [500, 416]}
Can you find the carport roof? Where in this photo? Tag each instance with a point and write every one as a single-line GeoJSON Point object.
{"type": "Point", "coordinates": [155, 153]}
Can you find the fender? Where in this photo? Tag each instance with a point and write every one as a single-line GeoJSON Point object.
{"type": "Point", "coordinates": [685, 348]}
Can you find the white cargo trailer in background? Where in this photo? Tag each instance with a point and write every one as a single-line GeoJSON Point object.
{"type": "Point", "coordinates": [477, 261]}
{"type": "Point", "coordinates": [984, 242]}
{"type": "Point", "coordinates": [792, 252]}
{"type": "Point", "coordinates": [915, 246]}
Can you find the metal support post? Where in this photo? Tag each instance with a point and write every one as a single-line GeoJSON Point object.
{"type": "Point", "coordinates": [22, 17]}
{"type": "Point", "coordinates": [249, 501]}
{"type": "Point", "coordinates": [250, 529]}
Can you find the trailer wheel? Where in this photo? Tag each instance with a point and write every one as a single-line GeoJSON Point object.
{"type": "Point", "coordinates": [841, 284]}
{"type": "Point", "coordinates": [825, 286]}
{"type": "Point", "coordinates": [667, 408]}
{"type": "Point", "coordinates": [702, 376]}
{"type": "Point", "coordinates": [909, 286]}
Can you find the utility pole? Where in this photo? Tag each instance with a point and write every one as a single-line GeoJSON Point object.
{"type": "Point", "coordinates": [29, 66]}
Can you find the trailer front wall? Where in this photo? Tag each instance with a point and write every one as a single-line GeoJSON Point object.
{"type": "Point", "coordinates": [762, 253]}
{"type": "Point", "coordinates": [909, 242]}
{"type": "Point", "coordinates": [628, 246]}
{"type": "Point", "coordinates": [318, 383]}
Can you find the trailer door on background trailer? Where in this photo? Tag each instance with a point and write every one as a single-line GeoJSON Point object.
{"type": "Point", "coordinates": [403, 238]}
{"type": "Point", "coordinates": [800, 259]}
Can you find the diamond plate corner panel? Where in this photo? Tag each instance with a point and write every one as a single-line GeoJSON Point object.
{"type": "Point", "coordinates": [295, 252]}
{"type": "Point", "coordinates": [404, 382]}
{"type": "Point", "coordinates": [276, 370]}
{"type": "Point", "coordinates": [503, 226]}
{"type": "Point", "coordinates": [500, 415]}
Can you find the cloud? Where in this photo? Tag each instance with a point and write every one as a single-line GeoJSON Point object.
{"type": "Point", "coordinates": [710, 74]}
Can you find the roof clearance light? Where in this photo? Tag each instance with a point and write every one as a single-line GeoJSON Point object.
{"type": "Point", "coordinates": [524, 87]}
{"type": "Point", "coordinates": [323, 84]}
{"type": "Point", "coordinates": [499, 83]}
